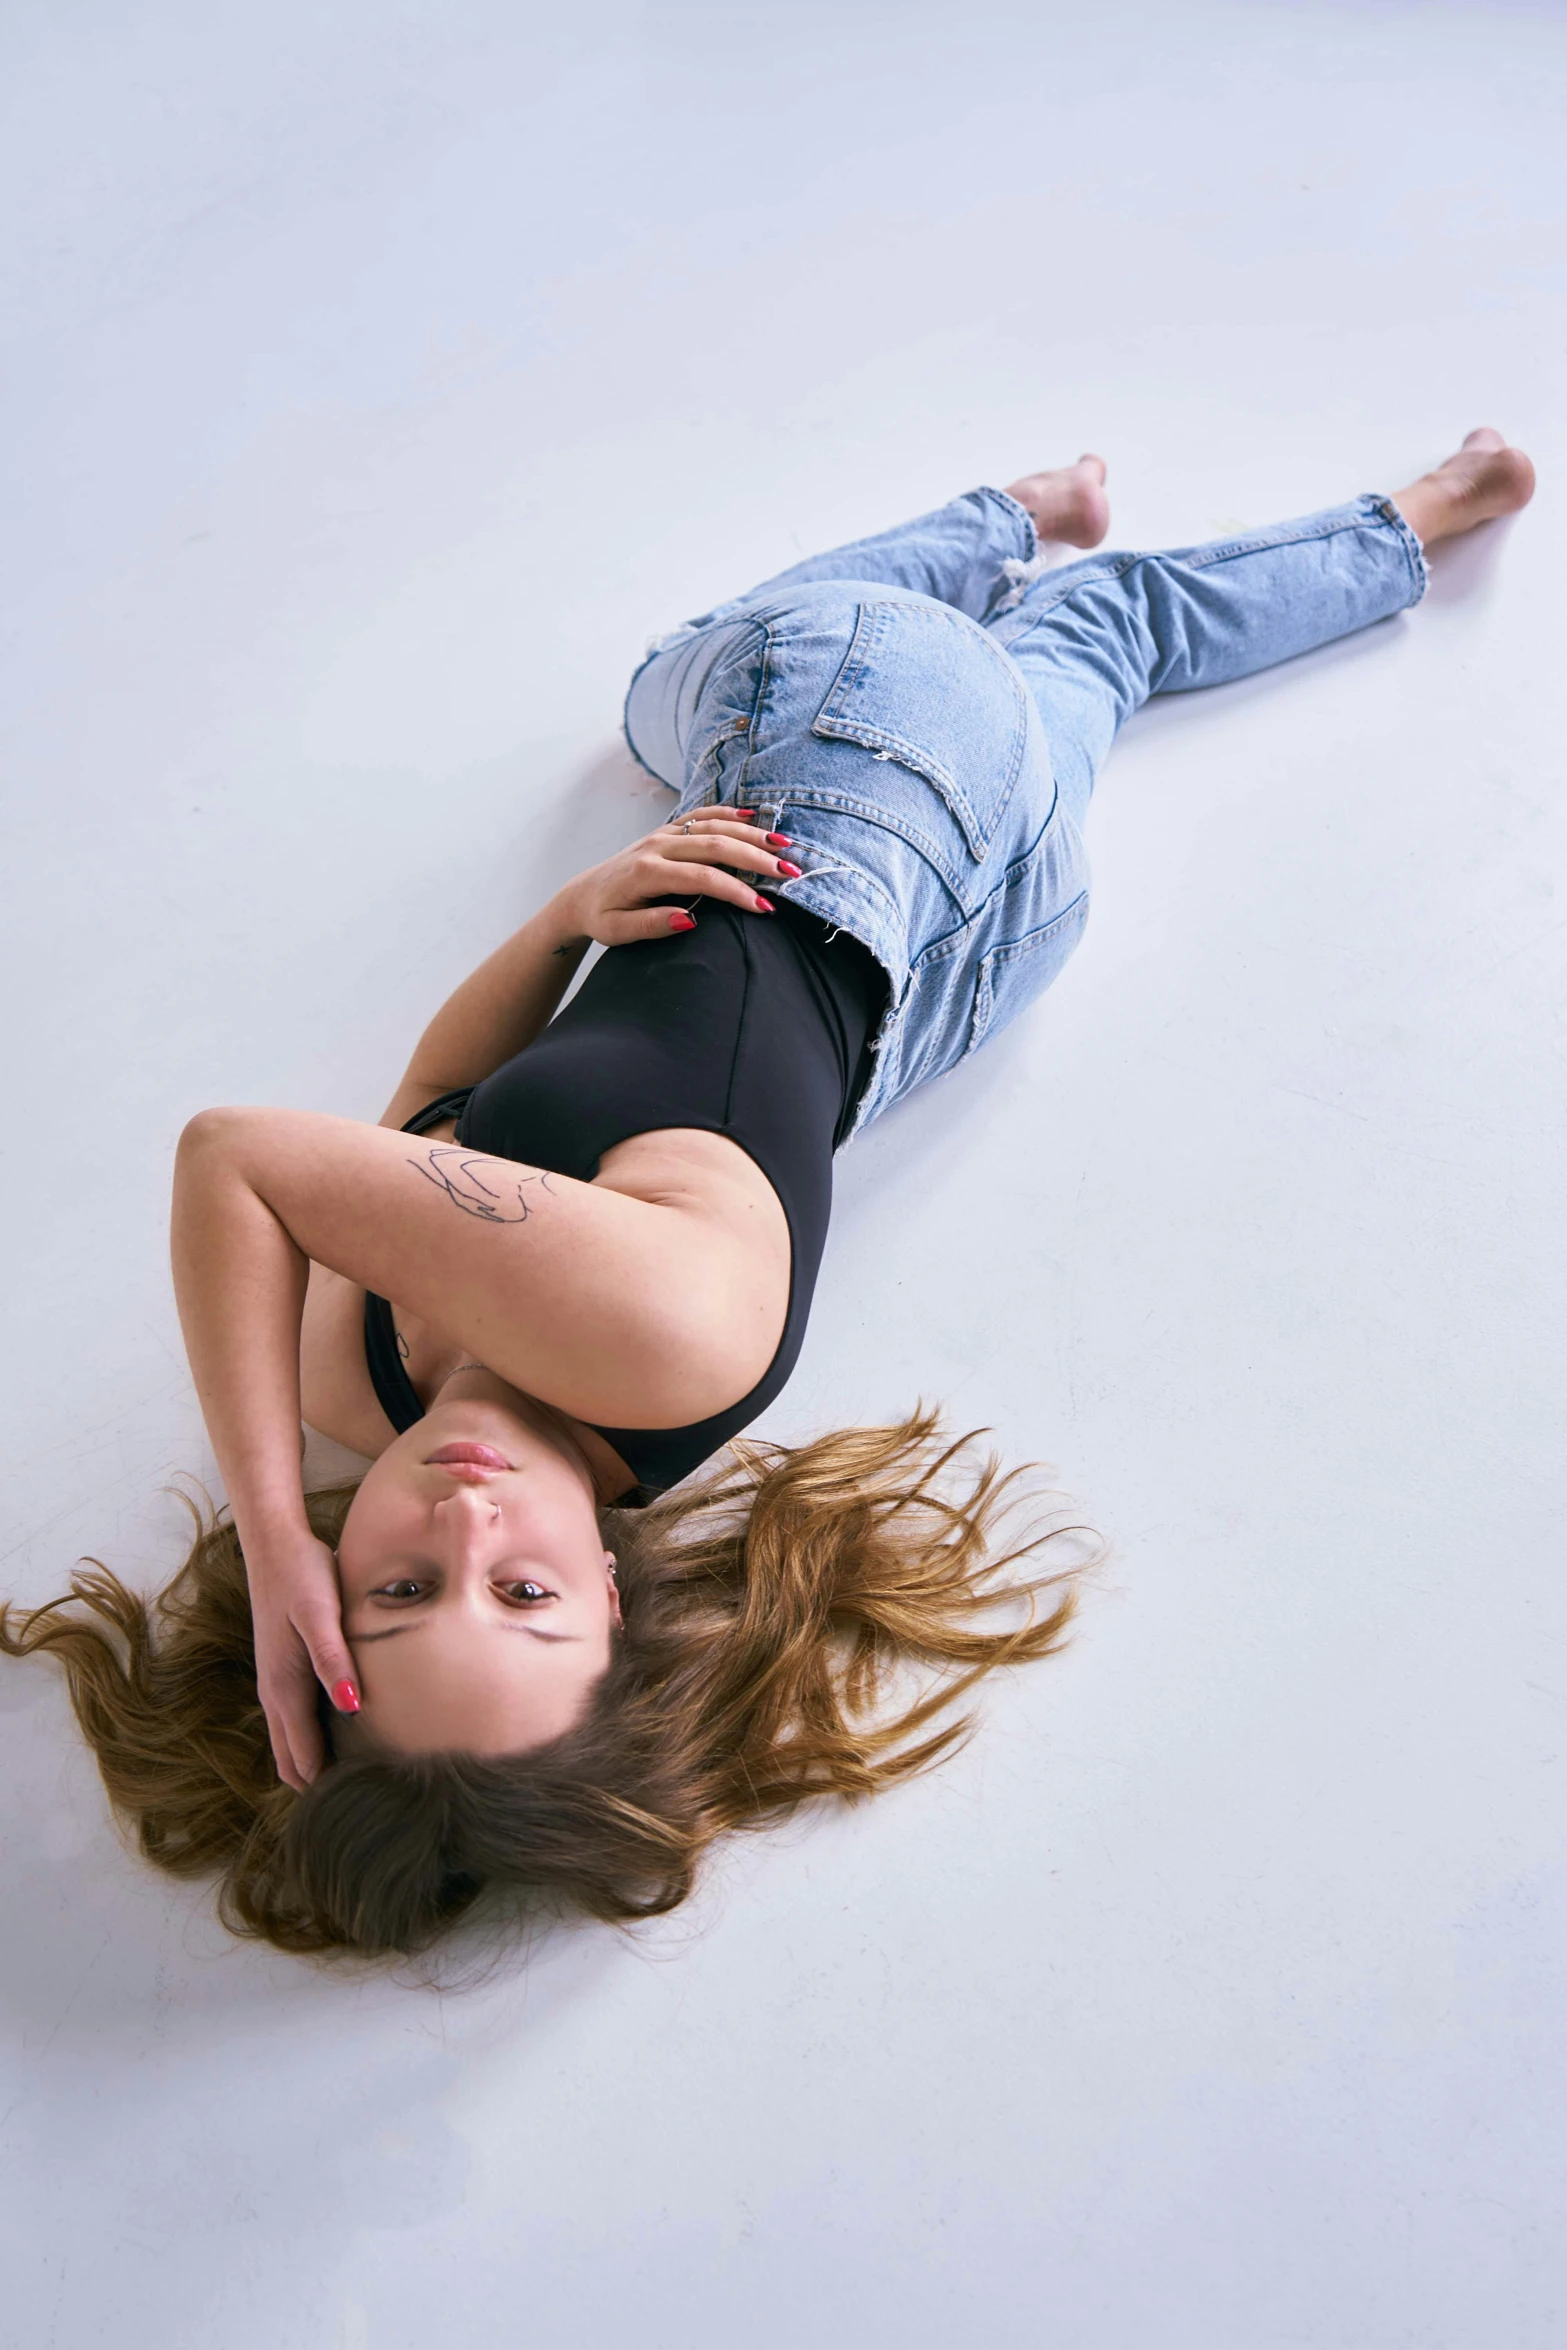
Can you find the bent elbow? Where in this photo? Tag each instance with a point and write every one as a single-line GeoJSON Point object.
{"type": "Point", "coordinates": [206, 1133]}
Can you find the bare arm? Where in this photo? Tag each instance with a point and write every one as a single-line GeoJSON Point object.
{"type": "Point", "coordinates": [634, 1311]}
{"type": "Point", "coordinates": [515, 992]}
{"type": "Point", "coordinates": [618, 1309]}
{"type": "Point", "coordinates": [499, 1009]}
{"type": "Point", "coordinates": [239, 1280]}
{"type": "Point", "coordinates": [626, 1311]}
{"type": "Point", "coordinates": [239, 1283]}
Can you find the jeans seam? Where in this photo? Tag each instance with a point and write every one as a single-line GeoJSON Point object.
{"type": "Point", "coordinates": [882, 742]}
{"type": "Point", "coordinates": [999, 957]}
{"type": "Point", "coordinates": [1414, 552]}
{"type": "Point", "coordinates": [1011, 505]}
{"type": "Point", "coordinates": [625, 719]}
{"type": "Point", "coordinates": [1372, 512]}
{"type": "Point", "coordinates": [925, 847]}
{"type": "Point", "coordinates": [747, 733]}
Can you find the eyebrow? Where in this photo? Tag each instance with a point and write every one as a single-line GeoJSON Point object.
{"type": "Point", "coordinates": [363, 1639]}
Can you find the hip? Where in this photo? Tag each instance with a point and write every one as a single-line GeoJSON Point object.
{"type": "Point", "coordinates": [897, 746]}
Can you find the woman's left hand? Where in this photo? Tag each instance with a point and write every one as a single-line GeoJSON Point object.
{"type": "Point", "coordinates": [705, 854]}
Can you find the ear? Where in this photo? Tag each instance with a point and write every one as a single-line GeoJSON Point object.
{"type": "Point", "coordinates": [615, 1615]}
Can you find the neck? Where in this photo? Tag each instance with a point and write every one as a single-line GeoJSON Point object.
{"type": "Point", "coordinates": [602, 1467]}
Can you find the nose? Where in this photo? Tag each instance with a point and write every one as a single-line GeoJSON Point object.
{"type": "Point", "coordinates": [465, 1513]}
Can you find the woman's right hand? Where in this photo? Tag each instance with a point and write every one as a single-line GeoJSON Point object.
{"type": "Point", "coordinates": [296, 1612]}
{"type": "Point", "coordinates": [695, 857]}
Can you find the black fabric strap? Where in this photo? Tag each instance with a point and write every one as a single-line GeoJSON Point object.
{"type": "Point", "coordinates": [450, 1105]}
{"type": "Point", "coordinates": [393, 1387]}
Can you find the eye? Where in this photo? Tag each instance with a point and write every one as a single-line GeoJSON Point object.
{"type": "Point", "coordinates": [401, 1587]}
{"type": "Point", "coordinates": [525, 1594]}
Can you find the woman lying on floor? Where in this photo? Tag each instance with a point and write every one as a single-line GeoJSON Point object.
{"type": "Point", "coordinates": [576, 1259]}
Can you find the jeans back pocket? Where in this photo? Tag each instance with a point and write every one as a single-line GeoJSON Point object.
{"type": "Point", "coordinates": [1010, 976]}
{"type": "Point", "coordinates": [922, 685]}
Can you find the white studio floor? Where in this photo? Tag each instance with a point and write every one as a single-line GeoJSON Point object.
{"type": "Point", "coordinates": [382, 376]}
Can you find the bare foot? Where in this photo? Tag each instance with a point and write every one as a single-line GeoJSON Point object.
{"type": "Point", "coordinates": [1067, 506]}
{"type": "Point", "coordinates": [1479, 481]}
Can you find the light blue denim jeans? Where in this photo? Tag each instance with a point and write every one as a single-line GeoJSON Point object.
{"type": "Point", "coordinates": [924, 715]}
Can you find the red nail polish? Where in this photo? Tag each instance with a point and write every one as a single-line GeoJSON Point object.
{"type": "Point", "coordinates": [748, 813]}
{"type": "Point", "coordinates": [681, 922]}
{"type": "Point", "coordinates": [793, 871]}
{"type": "Point", "coordinates": [779, 840]}
{"type": "Point", "coordinates": [346, 1698]}
{"type": "Point", "coordinates": [762, 906]}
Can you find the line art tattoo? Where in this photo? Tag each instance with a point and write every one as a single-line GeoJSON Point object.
{"type": "Point", "coordinates": [456, 1172]}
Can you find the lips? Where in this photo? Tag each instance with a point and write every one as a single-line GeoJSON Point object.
{"type": "Point", "coordinates": [481, 1457]}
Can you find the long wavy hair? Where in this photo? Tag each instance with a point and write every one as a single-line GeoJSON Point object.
{"type": "Point", "coordinates": [772, 1610]}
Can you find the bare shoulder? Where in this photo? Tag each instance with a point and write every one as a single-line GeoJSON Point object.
{"type": "Point", "coordinates": [336, 1396]}
{"type": "Point", "coordinates": [651, 1305]}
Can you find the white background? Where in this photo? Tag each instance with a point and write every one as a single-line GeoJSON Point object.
{"type": "Point", "coordinates": [382, 376]}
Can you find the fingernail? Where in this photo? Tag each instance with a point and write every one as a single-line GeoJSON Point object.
{"type": "Point", "coordinates": [779, 840]}
{"type": "Point", "coordinates": [793, 871]}
{"type": "Point", "coordinates": [762, 906]}
{"type": "Point", "coordinates": [346, 1698]}
{"type": "Point", "coordinates": [745, 811]}
{"type": "Point", "coordinates": [681, 922]}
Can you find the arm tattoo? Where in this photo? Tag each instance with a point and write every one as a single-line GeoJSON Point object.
{"type": "Point", "coordinates": [456, 1172]}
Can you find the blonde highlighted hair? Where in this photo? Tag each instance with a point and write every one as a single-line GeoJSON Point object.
{"type": "Point", "coordinates": [770, 1610]}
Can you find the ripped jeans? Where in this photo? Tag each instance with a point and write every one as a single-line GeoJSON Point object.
{"type": "Point", "coordinates": [924, 714]}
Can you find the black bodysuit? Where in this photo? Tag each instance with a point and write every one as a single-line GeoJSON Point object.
{"type": "Point", "coordinates": [753, 1026]}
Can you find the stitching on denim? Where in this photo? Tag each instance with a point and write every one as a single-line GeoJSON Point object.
{"type": "Point", "coordinates": [625, 725]}
{"type": "Point", "coordinates": [880, 907]}
{"type": "Point", "coordinates": [856, 666]}
{"type": "Point", "coordinates": [1026, 859]}
{"type": "Point", "coordinates": [670, 638]}
{"type": "Point", "coordinates": [1206, 558]}
{"type": "Point", "coordinates": [1414, 552]}
{"type": "Point", "coordinates": [842, 803]}
{"type": "Point", "coordinates": [942, 950]}
{"type": "Point", "coordinates": [746, 733]}
{"type": "Point", "coordinates": [1001, 958]}
{"type": "Point", "coordinates": [1031, 940]}
{"type": "Point", "coordinates": [734, 729]}
{"type": "Point", "coordinates": [639, 761]}
{"type": "Point", "coordinates": [866, 812]}
{"type": "Point", "coordinates": [764, 685]}
{"type": "Point", "coordinates": [1005, 499]}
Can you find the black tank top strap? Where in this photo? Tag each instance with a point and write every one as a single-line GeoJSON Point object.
{"type": "Point", "coordinates": [450, 1105]}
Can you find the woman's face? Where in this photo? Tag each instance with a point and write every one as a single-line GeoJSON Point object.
{"type": "Point", "coordinates": [478, 1599]}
